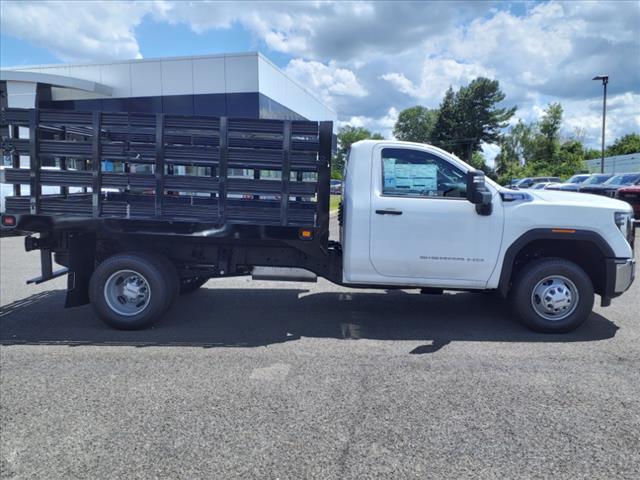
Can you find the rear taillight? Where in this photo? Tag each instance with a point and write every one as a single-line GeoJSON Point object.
{"type": "Point", "coordinates": [8, 221]}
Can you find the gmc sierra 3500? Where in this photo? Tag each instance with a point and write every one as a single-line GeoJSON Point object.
{"type": "Point", "coordinates": [167, 215]}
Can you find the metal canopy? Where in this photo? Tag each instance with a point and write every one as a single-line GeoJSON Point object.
{"type": "Point", "coordinates": [56, 80]}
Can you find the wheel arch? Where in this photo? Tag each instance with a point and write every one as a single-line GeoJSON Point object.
{"type": "Point", "coordinates": [584, 247]}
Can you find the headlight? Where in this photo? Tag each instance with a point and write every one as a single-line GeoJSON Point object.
{"type": "Point", "coordinates": [624, 221]}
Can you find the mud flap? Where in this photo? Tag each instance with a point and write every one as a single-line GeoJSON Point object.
{"type": "Point", "coordinates": [82, 258]}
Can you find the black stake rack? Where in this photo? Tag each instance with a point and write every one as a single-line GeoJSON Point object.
{"type": "Point", "coordinates": [155, 156]}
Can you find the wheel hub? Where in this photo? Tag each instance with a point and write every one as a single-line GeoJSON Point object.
{"type": "Point", "coordinates": [127, 292]}
{"type": "Point", "coordinates": [554, 297]}
{"type": "Point", "coordinates": [133, 289]}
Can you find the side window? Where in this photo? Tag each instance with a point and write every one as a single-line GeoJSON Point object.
{"type": "Point", "coordinates": [420, 174]}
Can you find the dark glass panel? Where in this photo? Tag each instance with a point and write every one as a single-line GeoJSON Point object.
{"type": "Point", "coordinates": [115, 104]}
{"type": "Point", "coordinates": [273, 110]}
{"type": "Point", "coordinates": [178, 104]}
{"type": "Point", "coordinates": [245, 105]}
{"type": "Point", "coordinates": [145, 104]}
{"type": "Point", "coordinates": [213, 104]}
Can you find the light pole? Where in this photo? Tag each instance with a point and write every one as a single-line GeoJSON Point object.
{"type": "Point", "coordinates": [605, 80]}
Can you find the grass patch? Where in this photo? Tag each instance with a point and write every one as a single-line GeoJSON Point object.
{"type": "Point", "coordinates": [334, 202]}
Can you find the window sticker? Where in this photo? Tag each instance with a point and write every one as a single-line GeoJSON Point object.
{"type": "Point", "coordinates": [389, 173]}
{"type": "Point", "coordinates": [409, 177]}
{"type": "Point", "coordinates": [423, 176]}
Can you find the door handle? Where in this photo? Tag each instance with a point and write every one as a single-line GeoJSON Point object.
{"type": "Point", "coordinates": [389, 212]}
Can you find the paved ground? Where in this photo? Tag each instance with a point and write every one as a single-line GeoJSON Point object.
{"type": "Point", "coordinates": [277, 380]}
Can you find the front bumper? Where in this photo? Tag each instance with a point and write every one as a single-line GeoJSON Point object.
{"type": "Point", "coordinates": [620, 273]}
{"type": "Point", "coordinates": [624, 275]}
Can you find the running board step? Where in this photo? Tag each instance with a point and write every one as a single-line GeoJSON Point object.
{"type": "Point", "coordinates": [44, 278]}
{"type": "Point", "coordinates": [286, 274]}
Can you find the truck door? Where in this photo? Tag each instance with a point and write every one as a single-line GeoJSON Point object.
{"type": "Point", "coordinates": [422, 226]}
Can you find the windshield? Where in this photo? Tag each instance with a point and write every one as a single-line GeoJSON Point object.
{"type": "Point", "coordinates": [578, 179]}
{"type": "Point", "coordinates": [623, 179]}
{"type": "Point", "coordinates": [617, 180]}
{"type": "Point", "coordinates": [596, 179]}
{"type": "Point", "coordinates": [630, 178]}
{"type": "Point", "coordinates": [524, 181]}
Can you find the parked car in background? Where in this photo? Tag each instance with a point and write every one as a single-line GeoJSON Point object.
{"type": "Point", "coordinates": [336, 187]}
{"type": "Point", "coordinates": [512, 182]}
{"type": "Point", "coordinates": [595, 179]}
{"type": "Point", "coordinates": [578, 181]}
{"type": "Point", "coordinates": [578, 178]}
{"type": "Point", "coordinates": [631, 195]}
{"type": "Point", "coordinates": [529, 181]}
{"type": "Point", "coordinates": [611, 186]}
{"type": "Point", "coordinates": [541, 185]}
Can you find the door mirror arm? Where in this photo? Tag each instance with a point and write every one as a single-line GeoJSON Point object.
{"type": "Point", "coordinates": [478, 193]}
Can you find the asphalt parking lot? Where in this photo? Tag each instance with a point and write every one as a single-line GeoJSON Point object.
{"type": "Point", "coordinates": [282, 380]}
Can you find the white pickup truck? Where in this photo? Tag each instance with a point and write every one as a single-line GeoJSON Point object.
{"type": "Point", "coordinates": [412, 216]}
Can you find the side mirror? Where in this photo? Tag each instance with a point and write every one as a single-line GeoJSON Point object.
{"type": "Point", "coordinates": [478, 193]}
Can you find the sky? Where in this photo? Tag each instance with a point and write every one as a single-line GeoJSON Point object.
{"type": "Point", "coordinates": [371, 60]}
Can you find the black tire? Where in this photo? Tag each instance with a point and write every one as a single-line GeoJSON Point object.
{"type": "Point", "coordinates": [172, 279]}
{"type": "Point", "coordinates": [191, 284]}
{"type": "Point", "coordinates": [145, 265]}
{"type": "Point", "coordinates": [568, 317]}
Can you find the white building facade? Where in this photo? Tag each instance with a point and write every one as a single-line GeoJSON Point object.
{"type": "Point", "coordinates": [235, 85]}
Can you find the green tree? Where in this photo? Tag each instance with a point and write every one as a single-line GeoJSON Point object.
{"type": "Point", "coordinates": [447, 129]}
{"type": "Point", "coordinates": [568, 159]}
{"type": "Point", "coordinates": [551, 122]}
{"type": "Point", "coordinates": [536, 149]}
{"type": "Point", "coordinates": [625, 145]}
{"type": "Point", "coordinates": [470, 117]}
{"type": "Point", "coordinates": [478, 161]}
{"type": "Point", "coordinates": [550, 132]}
{"type": "Point", "coordinates": [415, 124]}
{"type": "Point", "coordinates": [515, 146]}
{"type": "Point", "coordinates": [347, 136]}
{"type": "Point", "coordinates": [591, 153]}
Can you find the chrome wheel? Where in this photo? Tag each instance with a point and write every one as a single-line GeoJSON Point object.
{"type": "Point", "coordinates": [554, 297]}
{"type": "Point", "coordinates": [127, 292]}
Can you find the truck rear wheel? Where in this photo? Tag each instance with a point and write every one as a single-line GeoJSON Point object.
{"type": "Point", "coordinates": [172, 279]}
{"type": "Point", "coordinates": [129, 291]}
{"type": "Point", "coordinates": [552, 295]}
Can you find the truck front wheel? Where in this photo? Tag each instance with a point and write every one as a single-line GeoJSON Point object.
{"type": "Point", "coordinates": [129, 291]}
{"type": "Point", "coordinates": [552, 295]}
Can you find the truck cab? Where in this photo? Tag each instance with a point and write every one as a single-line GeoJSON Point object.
{"type": "Point", "coordinates": [408, 221]}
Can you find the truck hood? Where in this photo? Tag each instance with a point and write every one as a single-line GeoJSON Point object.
{"type": "Point", "coordinates": [580, 200]}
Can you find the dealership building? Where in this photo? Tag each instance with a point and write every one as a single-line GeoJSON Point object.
{"type": "Point", "coordinates": [245, 85]}
{"type": "Point", "coordinates": [235, 85]}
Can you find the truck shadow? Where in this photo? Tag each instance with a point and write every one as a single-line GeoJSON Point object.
{"type": "Point", "coordinates": [255, 317]}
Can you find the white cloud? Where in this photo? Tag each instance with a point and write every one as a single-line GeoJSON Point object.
{"type": "Point", "coordinates": [490, 152]}
{"type": "Point", "coordinates": [323, 30]}
{"type": "Point", "coordinates": [623, 116]}
{"type": "Point", "coordinates": [383, 125]}
{"type": "Point", "coordinates": [326, 80]}
{"type": "Point", "coordinates": [76, 32]}
{"type": "Point", "coordinates": [437, 75]}
{"type": "Point", "coordinates": [365, 58]}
